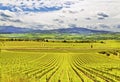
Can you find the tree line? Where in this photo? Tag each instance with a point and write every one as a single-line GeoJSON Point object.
{"type": "Point", "coordinates": [51, 40]}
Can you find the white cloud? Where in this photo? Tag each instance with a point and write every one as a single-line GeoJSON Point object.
{"type": "Point", "coordinates": [81, 13]}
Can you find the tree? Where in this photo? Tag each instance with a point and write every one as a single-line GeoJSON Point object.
{"type": "Point", "coordinates": [91, 46]}
{"type": "Point", "coordinates": [64, 41]}
{"type": "Point", "coordinates": [47, 40]}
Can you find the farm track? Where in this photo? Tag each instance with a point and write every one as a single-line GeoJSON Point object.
{"type": "Point", "coordinates": [45, 48]}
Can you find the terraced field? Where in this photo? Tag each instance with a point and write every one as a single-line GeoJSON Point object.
{"type": "Point", "coordinates": [59, 62]}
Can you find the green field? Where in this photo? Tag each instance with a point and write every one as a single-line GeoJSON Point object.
{"type": "Point", "coordinates": [57, 36]}
{"type": "Point", "coordinates": [31, 61]}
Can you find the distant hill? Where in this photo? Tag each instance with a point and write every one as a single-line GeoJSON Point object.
{"type": "Point", "coordinates": [77, 30]}
{"type": "Point", "coordinates": [11, 29]}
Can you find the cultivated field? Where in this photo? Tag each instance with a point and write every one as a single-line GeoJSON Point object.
{"type": "Point", "coordinates": [30, 61]}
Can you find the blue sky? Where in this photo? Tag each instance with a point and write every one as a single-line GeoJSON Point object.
{"type": "Point", "coordinates": [55, 14]}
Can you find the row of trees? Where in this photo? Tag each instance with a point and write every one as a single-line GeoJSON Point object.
{"type": "Point", "coordinates": [51, 40]}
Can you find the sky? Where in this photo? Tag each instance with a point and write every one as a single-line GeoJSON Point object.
{"type": "Point", "coordinates": [56, 14]}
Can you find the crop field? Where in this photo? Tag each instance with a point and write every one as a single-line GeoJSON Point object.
{"type": "Point", "coordinates": [31, 61]}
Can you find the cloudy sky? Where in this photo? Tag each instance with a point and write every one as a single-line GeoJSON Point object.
{"type": "Point", "coordinates": [55, 14]}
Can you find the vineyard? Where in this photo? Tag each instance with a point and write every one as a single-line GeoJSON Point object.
{"type": "Point", "coordinates": [30, 61]}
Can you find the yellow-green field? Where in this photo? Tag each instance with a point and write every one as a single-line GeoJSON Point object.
{"type": "Point", "coordinates": [30, 61]}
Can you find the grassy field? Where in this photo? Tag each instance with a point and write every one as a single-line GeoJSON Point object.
{"type": "Point", "coordinates": [31, 61]}
{"type": "Point", "coordinates": [57, 36]}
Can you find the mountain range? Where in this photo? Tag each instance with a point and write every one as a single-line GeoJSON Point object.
{"type": "Point", "coordinates": [76, 30]}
